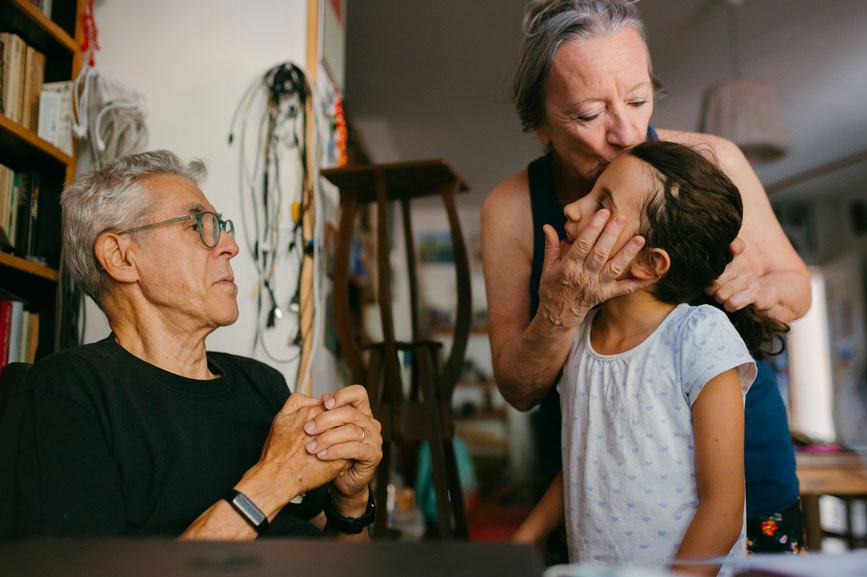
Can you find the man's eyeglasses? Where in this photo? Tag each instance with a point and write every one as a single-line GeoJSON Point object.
{"type": "Point", "coordinates": [209, 224]}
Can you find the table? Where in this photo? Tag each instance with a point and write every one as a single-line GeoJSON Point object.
{"type": "Point", "coordinates": [839, 474]}
{"type": "Point", "coordinates": [264, 558]}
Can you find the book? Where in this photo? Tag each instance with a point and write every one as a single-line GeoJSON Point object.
{"type": "Point", "coordinates": [21, 78]}
{"type": "Point", "coordinates": [37, 78]}
{"type": "Point", "coordinates": [22, 215]}
{"type": "Point", "coordinates": [32, 229]}
{"type": "Point", "coordinates": [15, 332]}
{"type": "Point", "coordinates": [5, 189]}
{"type": "Point", "coordinates": [3, 37]}
{"type": "Point", "coordinates": [6, 92]}
{"type": "Point", "coordinates": [55, 114]}
{"type": "Point", "coordinates": [32, 338]}
{"type": "Point", "coordinates": [5, 324]}
{"type": "Point", "coordinates": [12, 209]}
{"type": "Point", "coordinates": [24, 337]}
{"type": "Point", "coordinates": [27, 86]}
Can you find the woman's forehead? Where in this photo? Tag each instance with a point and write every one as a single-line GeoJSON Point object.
{"type": "Point", "coordinates": [619, 59]}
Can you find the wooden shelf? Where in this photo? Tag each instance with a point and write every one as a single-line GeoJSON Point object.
{"type": "Point", "coordinates": [13, 136]}
{"type": "Point", "coordinates": [38, 27]}
{"type": "Point", "coordinates": [28, 266]}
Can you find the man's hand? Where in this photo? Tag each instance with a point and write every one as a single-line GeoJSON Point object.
{"type": "Point", "coordinates": [740, 284]}
{"type": "Point", "coordinates": [285, 468]}
{"type": "Point", "coordinates": [346, 430]}
{"type": "Point", "coordinates": [576, 279]}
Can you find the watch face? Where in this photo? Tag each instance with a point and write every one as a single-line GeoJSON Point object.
{"type": "Point", "coordinates": [243, 505]}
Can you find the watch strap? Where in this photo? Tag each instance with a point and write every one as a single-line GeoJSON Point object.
{"type": "Point", "coordinates": [248, 510]}
{"type": "Point", "coordinates": [349, 525]}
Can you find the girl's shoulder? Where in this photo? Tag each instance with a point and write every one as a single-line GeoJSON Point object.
{"type": "Point", "coordinates": [701, 326]}
{"type": "Point", "coordinates": [691, 318]}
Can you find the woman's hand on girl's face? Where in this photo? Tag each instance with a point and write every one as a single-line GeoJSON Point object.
{"type": "Point", "coordinates": [575, 280]}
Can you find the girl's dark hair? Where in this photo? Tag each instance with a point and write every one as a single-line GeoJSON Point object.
{"type": "Point", "coordinates": [694, 217]}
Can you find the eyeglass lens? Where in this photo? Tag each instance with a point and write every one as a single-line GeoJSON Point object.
{"type": "Point", "coordinates": [210, 230]}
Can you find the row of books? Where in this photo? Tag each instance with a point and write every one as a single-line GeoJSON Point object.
{"type": "Point", "coordinates": [19, 210]}
{"type": "Point", "coordinates": [23, 73]}
{"type": "Point", "coordinates": [19, 333]}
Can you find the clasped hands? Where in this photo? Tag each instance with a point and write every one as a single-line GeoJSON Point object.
{"type": "Point", "coordinates": [331, 438]}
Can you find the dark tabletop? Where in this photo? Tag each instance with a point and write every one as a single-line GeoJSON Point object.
{"type": "Point", "coordinates": [265, 558]}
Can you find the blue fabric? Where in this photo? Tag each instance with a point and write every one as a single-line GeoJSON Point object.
{"type": "Point", "coordinates": [425, 493]}
{"type": "Point", "coordinates": [769, 458]}
{"type": "Point", "coordinates": [771, 483]}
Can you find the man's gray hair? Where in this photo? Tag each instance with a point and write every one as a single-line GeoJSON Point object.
{"type": "Point", "coordinates": [549, 23]}
{"type": "Point", "coordinates": [112, 198]}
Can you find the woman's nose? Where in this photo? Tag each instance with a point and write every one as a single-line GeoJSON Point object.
{"type": "Point", "coordinates": [622, 133]}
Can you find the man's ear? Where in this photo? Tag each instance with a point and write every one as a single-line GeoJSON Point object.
{"type": "Point", "coordinates": [653, 263]}
{"type": "Point", "coordinates": [115, 257]}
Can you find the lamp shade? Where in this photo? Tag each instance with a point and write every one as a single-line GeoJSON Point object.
{"type": "Point", "coordinates": [746, 111]}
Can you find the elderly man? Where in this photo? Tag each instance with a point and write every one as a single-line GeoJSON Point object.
{"type": "Point", "coordinates": [147, 433]}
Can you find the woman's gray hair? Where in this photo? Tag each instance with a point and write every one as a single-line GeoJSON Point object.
{"type": "Point", "coordinates": [549, 23]}
{"type": "Point", "coordinates": [112, 198]}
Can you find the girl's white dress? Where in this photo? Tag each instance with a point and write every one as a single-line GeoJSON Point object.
{"type": "Point", "coordinates": [628, 455]}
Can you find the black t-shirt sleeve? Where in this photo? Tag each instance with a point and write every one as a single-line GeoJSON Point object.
{"type": "Point", "coordinates": [68, 482]}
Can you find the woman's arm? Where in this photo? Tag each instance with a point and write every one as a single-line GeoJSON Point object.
{"type": "Point", "coordinates": [766, 270]}
{"type": "Point", "coordinates": [718, 429]}
{"type": "Point", "coordinates": [545, 516]}
{"type": "Point", "coordinates": [529, 353]}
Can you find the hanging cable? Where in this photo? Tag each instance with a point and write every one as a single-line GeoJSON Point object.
{"type": "Point", "coordinates": [283, 92]}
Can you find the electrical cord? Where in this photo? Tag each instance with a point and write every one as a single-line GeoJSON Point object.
{"type": "Point", "coordinates": [285, 92]}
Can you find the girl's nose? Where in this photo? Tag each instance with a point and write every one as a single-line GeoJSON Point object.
{"type": "Point", "coordinates": [572, 211]}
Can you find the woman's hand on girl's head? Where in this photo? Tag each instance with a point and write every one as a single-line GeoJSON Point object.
{"type": "Point", "coordinates": [575, 280]}
{"type": "Point", "coordinates": [740, 284]}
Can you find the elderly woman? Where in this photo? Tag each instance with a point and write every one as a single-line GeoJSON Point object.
{"type": "Point", "coordinates": [584, 86]}
{"type": "Point", "coordinates": [146, 432]}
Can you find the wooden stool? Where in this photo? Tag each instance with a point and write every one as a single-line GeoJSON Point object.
{"type": "Point", "coordinates": [425, 413]}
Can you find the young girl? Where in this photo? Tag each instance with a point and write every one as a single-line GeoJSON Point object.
{"type": "Point", "coordinates": [652, 393]}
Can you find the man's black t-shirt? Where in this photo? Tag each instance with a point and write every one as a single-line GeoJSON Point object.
{"type": "Point", "coordinates": [107, 444]}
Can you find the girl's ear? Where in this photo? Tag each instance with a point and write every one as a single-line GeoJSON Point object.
{"type": "Point", "coordinates": [652, 264]}
{"type": "Point", "coordinates": [544, 140]}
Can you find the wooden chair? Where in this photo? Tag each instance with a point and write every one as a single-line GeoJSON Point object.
{"type": "Point", "coordinates": [424, 414]}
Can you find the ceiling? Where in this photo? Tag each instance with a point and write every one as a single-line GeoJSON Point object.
{"type": "Point", "coordinates": [429, 79]}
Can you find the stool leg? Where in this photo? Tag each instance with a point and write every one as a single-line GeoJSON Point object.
{"type": "Point", "coordinates": [812, 523]}
{"type": "Point", "coordinates": [454, 481]}
{"type": "Point", "coordinates": [380, 522]}
{"type": "Point", "coordinates": [426, 375]}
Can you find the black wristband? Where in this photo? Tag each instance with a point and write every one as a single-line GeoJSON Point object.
{"type": "Point", "coordinates": [349, 525]}
{"type": "Point", "coordinates": [252, 514]}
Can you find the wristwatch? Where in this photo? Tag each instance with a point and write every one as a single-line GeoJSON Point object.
{"type": "Point", "coordinates": [252, 514]}
{"type": "Point", "coordinates": [349, 525]}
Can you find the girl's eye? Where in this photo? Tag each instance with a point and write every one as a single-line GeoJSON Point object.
{"type": "Point", "coordinates": [638, 103]}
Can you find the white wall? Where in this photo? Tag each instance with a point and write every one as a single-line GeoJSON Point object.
{"type": "Point", "coordinates": [193, 60]}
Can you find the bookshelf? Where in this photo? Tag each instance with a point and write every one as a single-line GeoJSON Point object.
{"type": "Point", "coordinates": [37, 281]}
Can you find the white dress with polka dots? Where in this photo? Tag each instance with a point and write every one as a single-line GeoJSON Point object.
{"type": "Point", "coordinates": [628, 463]}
